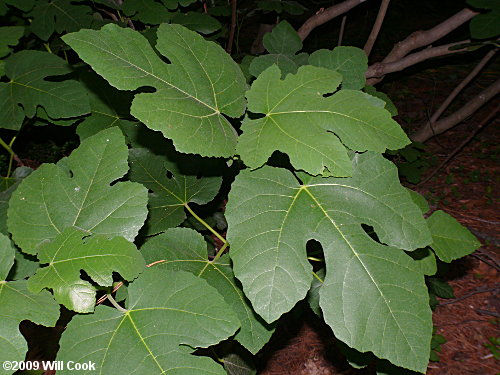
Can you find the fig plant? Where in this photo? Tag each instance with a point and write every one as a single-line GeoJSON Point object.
{"type": "Point", "coordinates": [199, 189]}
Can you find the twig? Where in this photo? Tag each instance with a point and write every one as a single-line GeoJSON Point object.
{"type": "Point", "coordinates": [326, 15]}
{"type": "Point", "coordinates": [477, 291]}
{"type": "Point", "coordinates": [487, 312]}
{"type": "Point", "coordinates": [421, 38]}
{"type": "Point", "coordinates": [110, 14]}
{"type": "Point", "coordinates": [462, 145]}
{"type": "Point", "coordinates": [120, 284]}
{"type": "Point", "coordinates": [233, 27]}
{"type": "Point", "coordinates": [376, 27]}
{"type": "Point", "coordinates": [491, 264]}
{"type": "Point", "coordinates": [378, 70]}
{"type": "Point", "coordinates": [342, 28]}
{"type": "Point", "coordinates": [461, 85]}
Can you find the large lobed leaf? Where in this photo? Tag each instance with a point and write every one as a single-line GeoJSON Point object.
{"type": "Point", "coordinates": [76, 192]}
{"type": "Point", "coordinates": [9, 36]}
{"type": "Point", "coordinates": [374, 296]}
{"type": "Point", "coordinates": [169, 195]}
{"type": "Point", "coordinates": [70, 252]}
{"type": "Point", "coordinates": [169, 313]}
{"type": "Point", "coordinates": [28, 89]}
{"type": "Point", "coordinates": [186, 250]}
{"type": "Point", "coordinates": [18, 304]}
{"type": "Point", "coordinates": [302, 123]}
{"type": "Point", "coordinates": [49, 16]}
{"type": "Point", "coordinates": [350, 62]}
{"type": "Point", "coordinates": [193, 92]}
{"type": "Point", "coordinates": [450, 239]}
{"type": "Point", "coordinates": [282, 44]}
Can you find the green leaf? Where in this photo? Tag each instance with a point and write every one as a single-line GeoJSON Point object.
{"type": "Point", "coordinates": [69, 253]}
{"type": "Point", "coordinates": [10, 184]}
{"type": "Point", "coordinates": [169, 313]}
{"type": "Point", "coordinates": [169, 195]}
{"type": "Point", "coordinates": [59, 16]}
{"type": "Point", "coordinates": [425, 260]}
{"type": "Point", "coordinates": [419, 200]}
{"type": "Point", "coordinates": [293, 7]}
{"type": "Point", "coordinates": [173, 4]}
{"type": "Point", "coordinates": [299, 121]}
{"type": "Point", "coordinates": [451, 240]}
{"type": "Point", "coordinates": [186, 250]}
{"type": "Point", "coordinates": [389, 105]}
{"type": "Point", "coordinates": [108, 106]}
{"type": "Point", "coordinates": [350, 62]}
{"type": "Point", "coordinates": [9, 36]}
{"type": "Point", "coordinates": [201, 22]}
{"type": "Point", "coordinates": [440, 288]}
{"type": "Point", "coordinates": [192, 93]}
{"type": "Point", "coordinates": [7, 252]}
{"type": "Point", "coordinates": [23, 5]}
{"type": "Point", "coordinates": [18, 304]}
{"type": "Point", "coordinates": [28, 89]}
{"type": "Point", "coordinates": [371, 290]}
{"type": "Point", "coordinates": [149, 12]}
{"type": "Point", "coordinates": [313, 294]}
{"type": "Point", "coordinates": [57, 196]}
{"type": "Point", "coordinates": [239, 364]}
{"type": "Point", "coordinates": [25, 265]}
{"type": "Point", "coordinates": [282, 43]}
{"type": "Point", "coordinates": [485, 25]}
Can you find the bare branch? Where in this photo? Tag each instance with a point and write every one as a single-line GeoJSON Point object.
{"type": "Point", "coordinates": [380, 69]}
{"type": "Point", "coordinates": [342, 29]}
{"type": "Point", "coordinates": [462, 84]}
{"type": "Point", "coordinates": [376, 27]}
{"type": "Point", "coordinates": [426, 131]}
{"type": "Point", "coordinates": [462, 145]}
{"type": "Point", "coordinates": [233, 26]}
{"type": "Point", "coordinates": [325, 15]}
{"type": "Point", "coordinates": [423, 38]}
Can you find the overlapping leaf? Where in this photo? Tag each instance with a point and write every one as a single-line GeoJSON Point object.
{"type": "Point", "coordinates": [451, 240]}
{"type": "Point", "coordinates": [201, 22]}
{"type": "Point", "coordinates": [147, 11]}
{"type": "Point", "coordinates": [486, 24]}
{"type": "Point", "coordinates": [18, 304]}
{"type": "Point", "coordinates": [28, 89]}
{"type": "Point", "coordinates": [186, 250]}
{"type": "Point", "coordinates": [76, 192]}
{"type": "Point", "coordinates": [169, 314]}
{"type": "Point", "coordinates": [23, 5]}
{"type": "Point", "coordinates": [350, 62]}
{"type": "Point", "coordinates": [9, 36]}
{"type": "Point", "coordinates": [70, 252]}
{"type": "Point", "coordinates": [300, 122]}
{"type": "Point", "coordinates": [59, 16]}
{"type": "Point", "coordinates": [108, 106]}
{"type": "Point", "coordinates": [374, 297]}
{"type": "Point", "coordinates": [7, 188]}
{"type": "Point", "coordinates": [169, 195]}
{"type": "Point", "coordinates": [283, 44]}
{"type": "Point", "coordinates": [192, 93]}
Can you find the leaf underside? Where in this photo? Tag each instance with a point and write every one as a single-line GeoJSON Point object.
{"type": "Point", "coordinates": [191, 93]}
{"type": "Point", "coordinates": [169, 314]}
{"type": "Point", "coordinates": [76, 192]}
{"type": "Point", "coordinates": [73, 251]}
{"type": "Point", "coordinates": [374, 296]}
{"type": "Point", "coordinates": [310, 128]}
{"type": "Point", "coordinates": [186, 250]}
